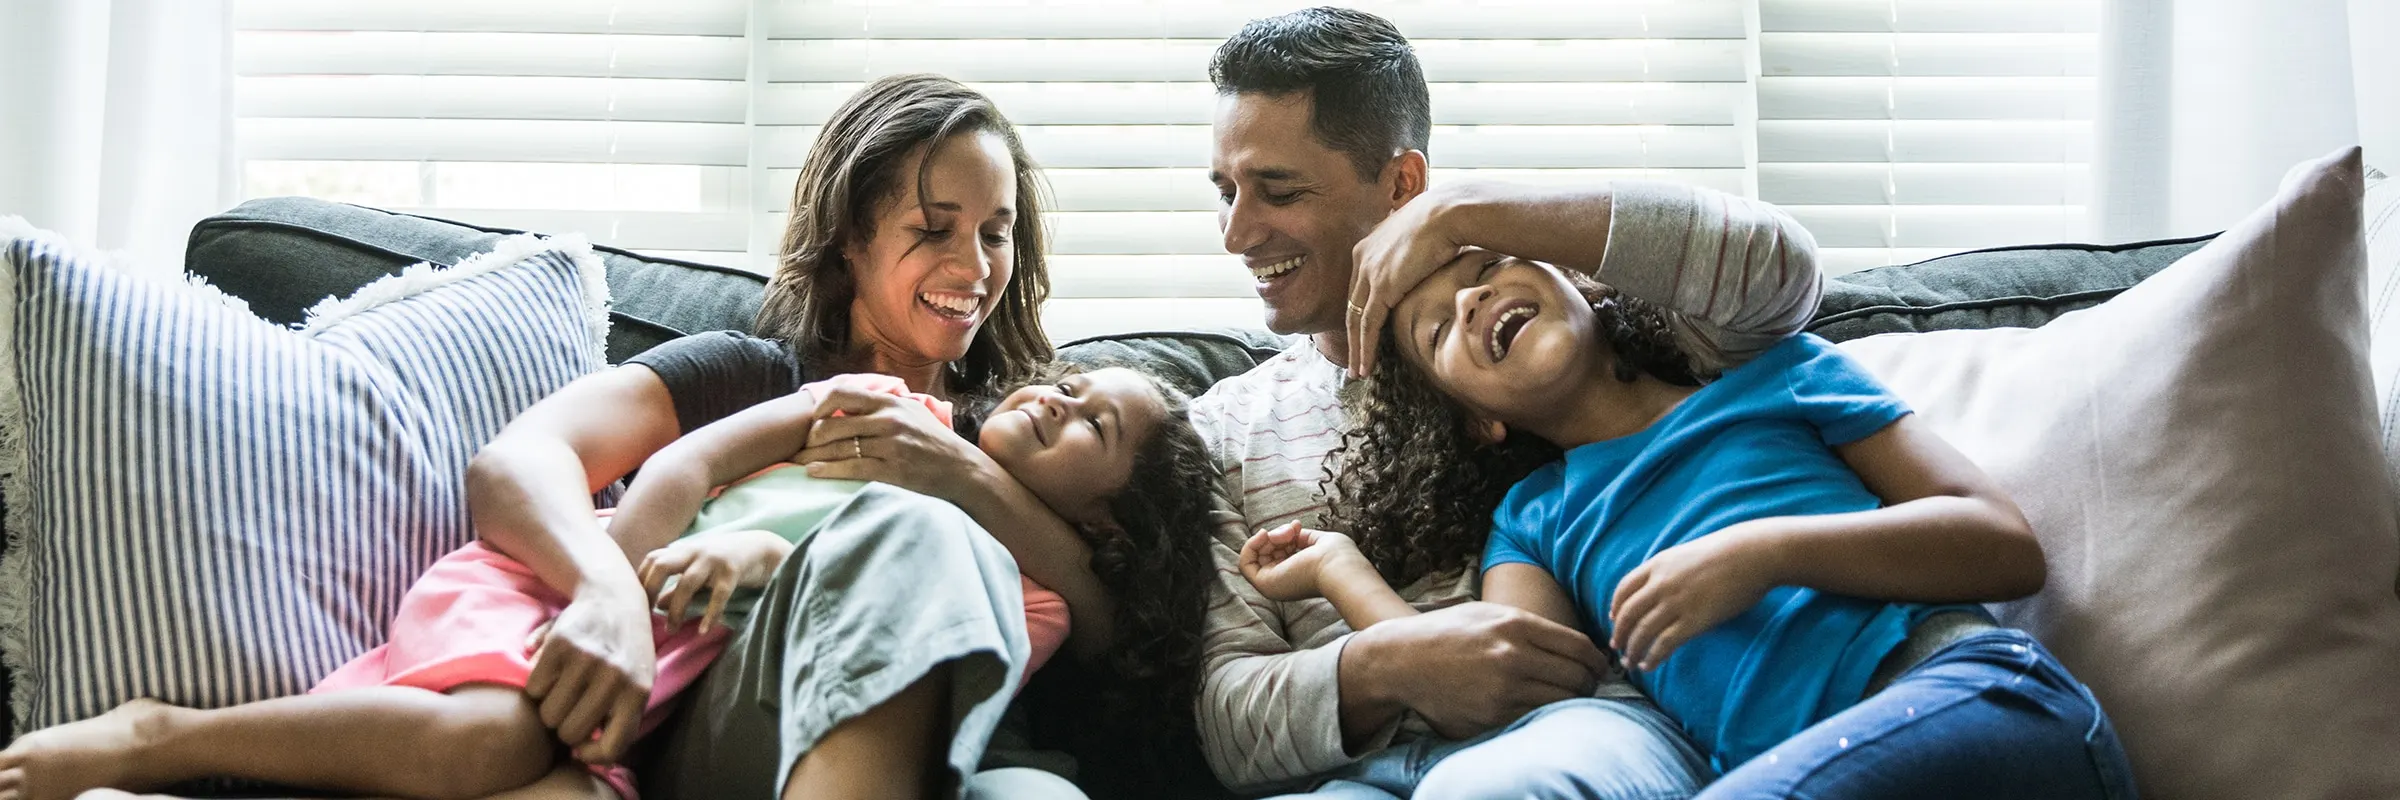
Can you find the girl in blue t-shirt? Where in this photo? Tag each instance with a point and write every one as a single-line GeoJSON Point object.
{"type": "Point", "coordinates": [1784, 558]}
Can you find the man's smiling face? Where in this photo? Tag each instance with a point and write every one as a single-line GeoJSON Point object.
{"type": "Point", "coordinates": [1291, 207]}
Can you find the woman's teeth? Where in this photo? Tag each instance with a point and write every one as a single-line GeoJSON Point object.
{"type": "Point", "coordinates": [956, 305]}
{"type": "Point", "coordinates": [1277, 269]}
{"type": "Point", "coordinates": [1502, 332]}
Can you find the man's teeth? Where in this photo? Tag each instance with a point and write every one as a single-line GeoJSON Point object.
{"type": "Point", "coordinates": [959, 304]}
{"type": "Point", "coordinates": [1277, 269]}
{"type": "Point", "coordinates": [1500, 348]}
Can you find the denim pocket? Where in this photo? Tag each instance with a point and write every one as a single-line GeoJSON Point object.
{"type": "Point", "coordinates": [2100, 741]}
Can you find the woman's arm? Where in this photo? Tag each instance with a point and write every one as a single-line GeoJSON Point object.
{"type": "Point", "coordinates": [529, 494]}
{"type": "Point", "coordinates": [674, 483]}
{"type": "Point", "coordinates": [529, 491]}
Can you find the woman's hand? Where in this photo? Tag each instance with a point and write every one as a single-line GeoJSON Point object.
{"type": "Point", "coordinates": [1684, 591]}
{"type": "Point", "coordinates": [1286, 563]}
{"type": "Point", "coordinates": [890, 439]}
{"type": "Point", "coordinates": [592, 668]}
{"type": "Point", "coordinates": [719, 562]}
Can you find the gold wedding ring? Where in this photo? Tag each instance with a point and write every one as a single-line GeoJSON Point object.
{"type": "Point", "coordinates": [1356, 311]}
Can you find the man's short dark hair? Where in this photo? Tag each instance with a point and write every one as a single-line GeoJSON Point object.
{"type": "Point", "coordinates": [1369, 98]}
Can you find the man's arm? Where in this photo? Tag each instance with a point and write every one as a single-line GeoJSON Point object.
{"type": "Point", "coordinates": [1270, 712]}
{"type": "Point", "coordinates": [1740, 274]}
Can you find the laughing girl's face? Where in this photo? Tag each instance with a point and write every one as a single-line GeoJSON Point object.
{"type": "Point", "coordinates": [1510, 339]}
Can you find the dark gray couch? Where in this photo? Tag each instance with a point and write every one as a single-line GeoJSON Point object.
{"type": "Point", "coordinates": [282, 255]}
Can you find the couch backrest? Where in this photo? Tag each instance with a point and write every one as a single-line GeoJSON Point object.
{"type": "Point", "coordinates": [284, 254]}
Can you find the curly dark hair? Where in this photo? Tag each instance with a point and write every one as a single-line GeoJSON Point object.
{"type": "Point", "coordinates": [1412, 484]}
{"type": "Point", "coordinates": [1136, 702]}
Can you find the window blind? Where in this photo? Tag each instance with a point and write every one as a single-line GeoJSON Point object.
{"type": "Point", "coordinates": [677, 127]}
{"type": "Point", "coordinates": [1897, 130]}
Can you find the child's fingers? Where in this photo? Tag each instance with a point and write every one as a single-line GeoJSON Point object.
{"type": "Point", "coordinates": [718, 594]}
{"type": "Point", "coordinates": [1636, 623]}
{"type": "Point", "coordinates": [1290, 535]}
{"type": "Point", "coordinates": [686, 587]}
{"type": "Point", "coordinates": [1633, 582]}
{"type": "Point", "coordinates": [1628, 612]}
{"type": "Point", "coordinates": [1642, 646]}
{"type": "Point", "coordinates": [1674, 637]}
{"type": "Point", "coordinates": [661, 565]}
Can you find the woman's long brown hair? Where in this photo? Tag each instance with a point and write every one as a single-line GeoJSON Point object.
{"type": "Point", "coordinates": [851, 171]}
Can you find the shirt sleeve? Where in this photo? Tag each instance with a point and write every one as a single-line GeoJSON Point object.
{"type": "Point", "coordinates": [1516, 522]}
{"type": "Point", "coordinates": [1837, 394]}
{"type": "Point", "coordinates": [1047, 623]}
{"type": "Point", "coordinates": [710, 376]}
{"type": "Point", "coordinates": [1737, 274]}
{"type": "Point", "coordinates": [1269, 713]}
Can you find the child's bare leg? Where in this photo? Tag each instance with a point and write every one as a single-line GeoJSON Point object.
{"type": "Point", "coordinates": [894, 750]}
{"type": "Point", "coordinates": [566, 781]}
{"type": "Point", "coordinates": [385, 740]}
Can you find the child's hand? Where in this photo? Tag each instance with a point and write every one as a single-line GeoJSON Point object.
{"type": "Point", "coordinates": [1284, 562]}
{"type": "Point", "coordinates": [1681, 592]}
{"type": "Point", "coordinates": [719, 562]}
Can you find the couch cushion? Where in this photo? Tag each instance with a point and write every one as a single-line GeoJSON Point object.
{"type": "Point", "coordinates": [2002, 287]}
{"type": "Point", "coordinates": [1191, 360]}
{"type": "Point", "coordinates": [209, 509]}
{"type": "Point", "coordinates": [283, 254]}
{"type": "Point", "coordinates": [2199, 458]}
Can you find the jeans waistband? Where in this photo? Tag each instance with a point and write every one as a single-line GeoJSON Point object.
{"type": "Point", "coordinates": [1931, 634]}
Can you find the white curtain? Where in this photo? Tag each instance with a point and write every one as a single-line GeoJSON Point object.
{"type": "Point", "coordinates": [2205, 103]}
{"type": "Point", "coordinates": [116, 119]}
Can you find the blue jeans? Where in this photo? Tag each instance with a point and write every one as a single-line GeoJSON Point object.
{"type": "Point", "coordinates": [1590, 749]}
{"type": "Point", "coordinates": [1991, 716]}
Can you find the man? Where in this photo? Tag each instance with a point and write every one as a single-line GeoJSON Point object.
{"type": "Point", "coordinates": [1320, 137]}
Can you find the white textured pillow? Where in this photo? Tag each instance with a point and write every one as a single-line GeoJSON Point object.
{"type": "Point", "coordinates": [2200, 458]}
{"type": "Point", "coordinates": [209, 509]}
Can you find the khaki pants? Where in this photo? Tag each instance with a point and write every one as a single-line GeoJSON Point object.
{"type": "Point", "coordinates": [886, 589]}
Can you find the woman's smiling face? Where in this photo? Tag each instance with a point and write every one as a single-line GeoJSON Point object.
{"type": "Point", "coordinates": [1510, 339]}
{"type": "Point", "coordinates": [934, 266]}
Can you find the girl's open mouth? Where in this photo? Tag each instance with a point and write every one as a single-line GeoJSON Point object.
{"type": "Point", "coordinates": [1507, 324]}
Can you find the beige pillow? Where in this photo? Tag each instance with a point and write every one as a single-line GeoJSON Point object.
{"type": "Point", "coordinates": [2201, 458]}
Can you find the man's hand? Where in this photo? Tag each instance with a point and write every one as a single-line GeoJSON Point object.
{"type": "Point", "coordinates": [1466, 669]}
{"type": "Point", "coordinates": [1393, 258]}
{"type": "Point", "coordinates": [592, 668]}
{"type": "Point", "coordinates": [1685, 590]}
{"type": "Point", "coordinates": [1285, 563]}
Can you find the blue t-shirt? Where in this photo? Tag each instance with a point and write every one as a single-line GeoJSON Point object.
{"type": "Point", "coordinates": [1756, 443]}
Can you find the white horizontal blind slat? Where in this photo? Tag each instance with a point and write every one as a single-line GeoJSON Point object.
{"type": "Point", "coordinates": [1900, 129]}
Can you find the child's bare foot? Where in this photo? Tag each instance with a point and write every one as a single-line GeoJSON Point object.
{"type": "Point", "coordinates": [104, 752]}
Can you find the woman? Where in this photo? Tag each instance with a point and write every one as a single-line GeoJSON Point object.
{"type": "Point", "coordinates": [914, 250]}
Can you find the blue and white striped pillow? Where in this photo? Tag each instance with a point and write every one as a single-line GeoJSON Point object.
{"type": "Point", "coordinates": [209, 509]}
